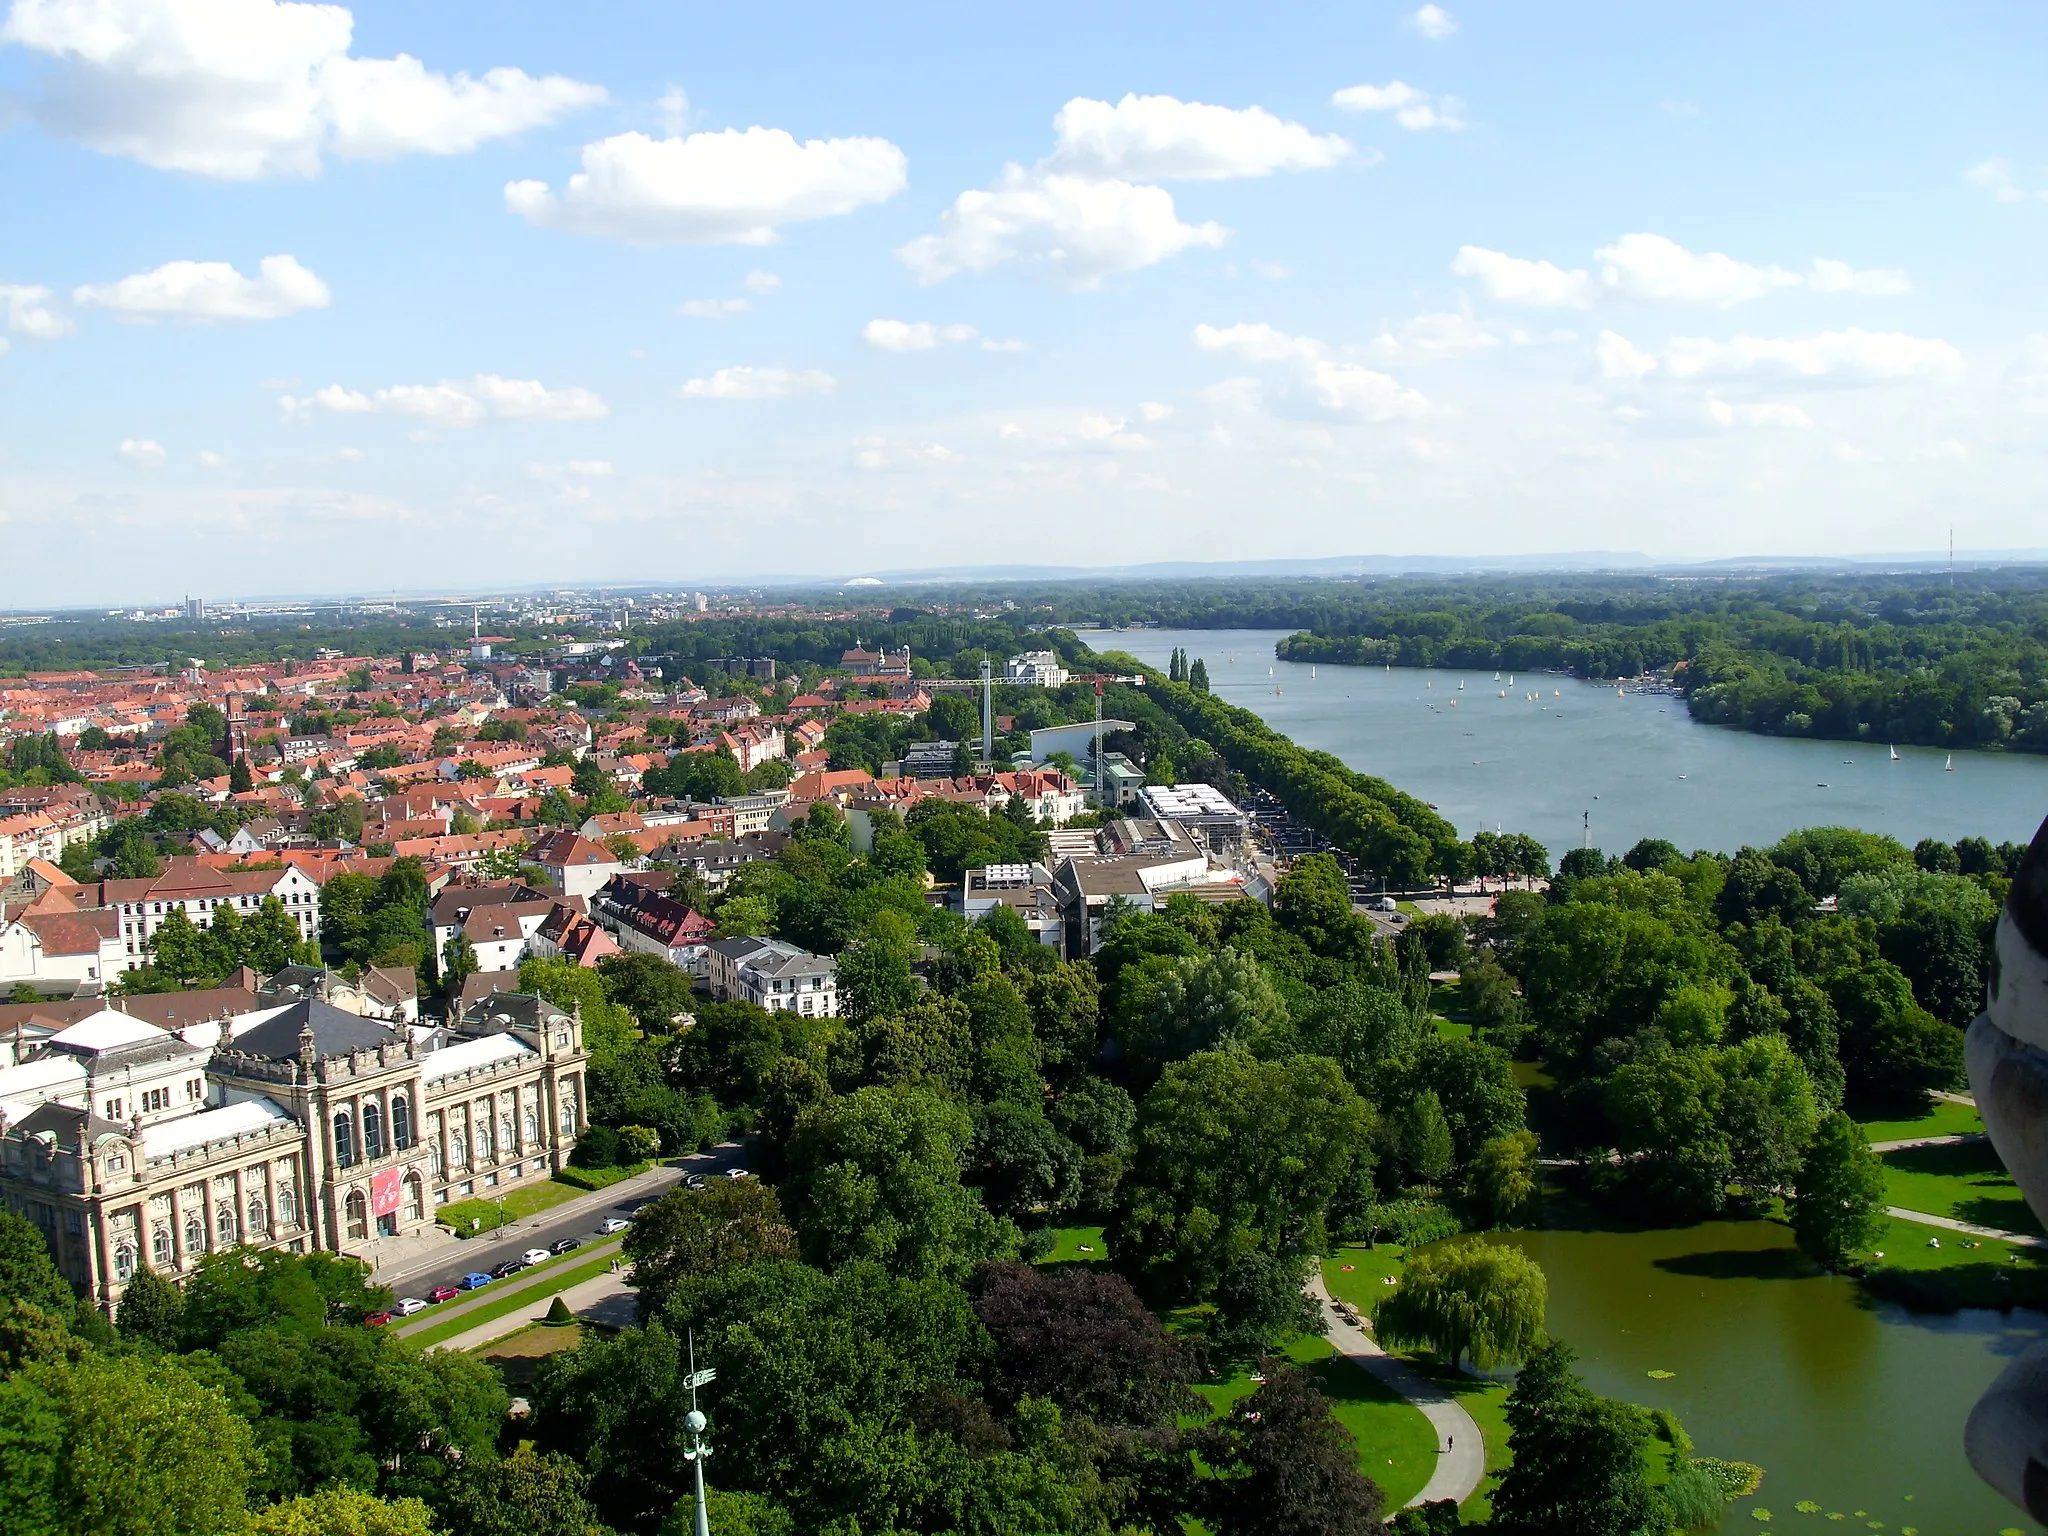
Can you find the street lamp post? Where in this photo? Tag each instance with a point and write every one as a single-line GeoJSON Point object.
{"type": "Point", "coordinates": [698, 1451]}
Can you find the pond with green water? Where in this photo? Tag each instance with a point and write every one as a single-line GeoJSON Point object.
{"type": "Point", "coordinates": [1855, 1405]}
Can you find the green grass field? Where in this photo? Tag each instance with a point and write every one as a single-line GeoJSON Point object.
{"type": "Point", "coordinates": [1396, 1446]}
{"type": "Point", "coordinates": [1964, 1183]}
{"type": "Point", "coordinates": [1072, 1240]}
{"type": "Point", "coordinates": [1944, 1119]}
{"type": "Point", "coordinates": [526, 1200]}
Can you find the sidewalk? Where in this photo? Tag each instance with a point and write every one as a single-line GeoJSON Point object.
{"type": "Point", "coordinates": [1461, 1448]}
{"type": "Point", "coordinates": [477, 1300]}
{"type": "Point", "coordinates": [1961, 1138]}
{"type": "Point", "coordinates": [597, 1300]}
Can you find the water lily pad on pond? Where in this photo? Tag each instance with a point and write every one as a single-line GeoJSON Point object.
{"type": "Point", "coordinates": [1662, 1375]}
{"type": "Point", "coordinates": [1760, 1514]}
{"type": "Point", "coordinates": [1807, 1507]}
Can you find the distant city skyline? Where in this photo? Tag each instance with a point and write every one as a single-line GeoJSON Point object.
{"type": "Point", "coordinates": [306, 298]}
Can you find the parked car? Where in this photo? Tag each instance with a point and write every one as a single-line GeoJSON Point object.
{"type": "Point", "coordinates": [444, 1293]}
{"type": "Point", "coordinates": [613, 1224]}
{"type": "Point", "coordinates": [693, 1181]}
{"type": "Point", "coordinates": [474, 1281]}
{"type": "Point", "coordinates": [408, 1305]}
{"type": "Point", "coordinates": [738, 1173]}
{"type": "Point", "coordinates": [535, 1256]}
{"type": "Point", "coordinates": [376, 1319]}
{"type": "Point", "coordinates": [507, 1269]}
{"type": "Point", "coordinates": [565, 1245]}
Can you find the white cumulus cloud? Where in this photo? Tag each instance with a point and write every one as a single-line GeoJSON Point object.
{"type": "Point", "coordinates": [1995, 177]}
{"type": "Point", "coordinates": [1160, 138]}
{"type": "Point", "coordinates": [1433, 337]}
{"type": "Point", "coordinates": [1766, 413]}
{"type": "Point", "coordinates": [1433, 22]}
{"type": "Point", "coordinates": [1154, 411]}
{"type": "Point", "coordinates": [27, 306]}
{"type": "Point", "coordinates": [912, 335]}
{"type": "Point", "coordinates": [1830, 276]}
{"type": "Point", "coordinates": [1851, 356]}
{"type": "Point", "coordinates": [1413, 109]}
{"type": "Point", "coordinates": [1621, 358]}
{"type": "Point", "coordinates": [760, 384]}
{"type": "Point", "coordinates": [1089, 210]}
{"type": "Point", "coordinates": [758, 281]}
{"type": "Point", "coordinates": [1515, 280]}
{"type": "Point", "coordinates": [209, 290]}
{"type": "Point", "coordinates": [1336, 384]}
{"type": "Point", "coordinates": [1077, 230]}
{"type": "Point", "coordinates": [206, 458]}
{"type": "Point", "coordinates": [142, 452]}
{"type": "Point", "coordinates": [243, 89]}
{"type": "Point", "coordinates": [455, 403]}
{"type": "Point", "coordinates": [730, 187]}
{"type": "Point", "coordinates": [1660, 270]}
{"type": "Point", "coordinates": [712, 309]}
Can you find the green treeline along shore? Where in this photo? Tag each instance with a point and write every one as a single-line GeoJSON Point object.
{"type": "Point", "coordinates": [1905, 661]}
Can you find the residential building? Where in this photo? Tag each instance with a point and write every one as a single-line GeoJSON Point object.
{"type": "Point", "coordinates": [574, 865]}
{"type": "Point", "coordinates": [649, 921]}
{"type": "Point", "coordinates": [570, 935]}
{"type": "Point", "coordinates": [1036, 669]}
{"type": "Point", "coordinates": [1026, 889]}
{"type": "Point", "coordinates": [772, 974]}
{"type": "Point", "coordinates": [197, 889]}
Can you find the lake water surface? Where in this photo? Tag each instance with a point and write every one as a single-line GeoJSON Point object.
{"type": "Point", "coordinates": [1639, 764]}
{"type": "Point", "coordinates": [1858, 1407]}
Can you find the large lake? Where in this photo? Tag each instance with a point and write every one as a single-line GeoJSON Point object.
{"type": "Point", "coordinates": [1638, 763]}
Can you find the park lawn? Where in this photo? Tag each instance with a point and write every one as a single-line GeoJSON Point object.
{"type": "Point", "coordinates": [1067, 1250]}
{"type": "Point", "coordinates": [1943, 1119]}
{"type": "Point", "coordinates": [526, 1200]}
{"type": "Point", "coordinates": [1396, 1445]}
{"type": "Point", "coordinates": [552, 1282]}
{"type": "Point", "coordinates": [1991, 1274]}
{"type": "Point", "coordinates": [517, 1356]}
{"type": "Point", "coordinates": [1964, 1182]}
{"type": "Point", "coordinates": [1356, 1274]}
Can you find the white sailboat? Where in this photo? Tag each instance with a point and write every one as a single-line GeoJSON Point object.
{"type": "Point", "coordinates": [1950, 765]}
{"type": "Point", "coordinates": [1895, 754]}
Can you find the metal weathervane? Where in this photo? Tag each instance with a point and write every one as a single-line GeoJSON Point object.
{"type": "Point", "coordinates": [699, 1450]}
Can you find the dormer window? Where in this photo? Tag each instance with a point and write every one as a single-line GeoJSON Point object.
{"type": "Point", "coordinates": [113, 1108]}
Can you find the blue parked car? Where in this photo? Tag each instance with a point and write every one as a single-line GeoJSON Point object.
{"type": "Point", "coordinates": [474, 1282]}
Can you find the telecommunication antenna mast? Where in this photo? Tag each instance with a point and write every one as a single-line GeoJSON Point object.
{"type": "Point", "coordinates": [988, 717]}
{"type": "Point", "coordinates": [698, 1451]}
{"type": "Point", "coordinates": [1097, 743]}
{"type": "Point", "coordinates": [1586, 836]}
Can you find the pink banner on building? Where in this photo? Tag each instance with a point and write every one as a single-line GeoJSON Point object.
{"type": "Point", "coordinates": [384, 1193]}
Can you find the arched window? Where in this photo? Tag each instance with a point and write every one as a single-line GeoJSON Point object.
{"type": "Point", "coordinates": [458, 1147]}
{"type": "Point", "coordinates": [344, 1140]}
{"type": "Point", "coordinates": [568, 1121]}
{"type": "Point", "coordinates": [224, 1224]}
{"type": "Point", "coordinates": [415, 1198]}
{"type": "Point", "coordinates": [124, 1261]}
{"type": "Point", "coordinates": [531, 1130]}
{"type": "Point", "coordinates": [288, 1206]}
{"type": "Point", "coordinates": [195, 1236]}
{"type": "Point", "coordinates": [356, 1213]}
{"type": "Point", "coordinates": [401, 1121]}
{"type": "Point", "coordinates": [483, 1140]}
{"type": "Point", "coordinates": [373, 1130]}
{"type": "Point", "coordinates": [508, 1138]}
{"type": "Point", "coordinates": [259, 1217]}
{"type": "Point", "coordinates": [160, 1248]}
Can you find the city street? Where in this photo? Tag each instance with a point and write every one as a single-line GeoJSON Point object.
{"type": "Point", "coordinates": [573, 1218]}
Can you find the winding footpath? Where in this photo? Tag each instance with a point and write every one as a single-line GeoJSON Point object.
{"type": "Point", "coordinates": [1461, 1449]}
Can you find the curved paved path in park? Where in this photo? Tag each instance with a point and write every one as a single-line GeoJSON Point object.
{"type": "Point", "coordinates": [1460, 1448]}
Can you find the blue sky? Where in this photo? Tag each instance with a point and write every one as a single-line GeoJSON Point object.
{"type": "Point", "coordinates": [304, 298]}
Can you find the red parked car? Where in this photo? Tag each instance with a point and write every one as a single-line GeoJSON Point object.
{"type": "Point", "coordinates": [444, 1293]}
{"type": "Point", "coordinates": [376, 1319]}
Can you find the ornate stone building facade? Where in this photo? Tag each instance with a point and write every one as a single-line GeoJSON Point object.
{"type": "Point", "coordinates": [304, 1126]}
